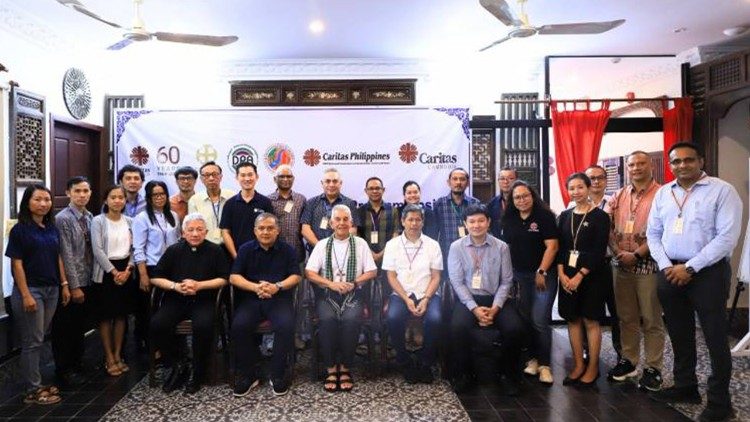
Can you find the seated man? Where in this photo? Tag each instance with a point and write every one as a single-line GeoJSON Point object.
{"type": "Point", "coordinates": [263, 276]}
{"type": "Point", "coordinates": [191, 271]}
{"type": "Point", "coordinates": [481, 276]}
{"type": "Point", "coordinates": [413, 263]}
{"type": "Point", "coordinates": [339, 265]}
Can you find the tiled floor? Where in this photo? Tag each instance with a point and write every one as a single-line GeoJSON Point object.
{"type": "Point", "coordinates": [487, 403]}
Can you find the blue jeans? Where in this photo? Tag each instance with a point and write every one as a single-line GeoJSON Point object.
{"type": "Point", "coordinates": [536, 309]}
{"type": "Point", "coordinates": [33, 326]}
{"type": "Point", "coordinates": [398, 315]}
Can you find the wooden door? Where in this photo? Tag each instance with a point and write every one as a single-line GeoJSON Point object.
{"type": "Point", "coordinates": [76, 150]}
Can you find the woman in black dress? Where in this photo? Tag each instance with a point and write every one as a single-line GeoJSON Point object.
{"type": "Point", "coordinates": [584, 231]}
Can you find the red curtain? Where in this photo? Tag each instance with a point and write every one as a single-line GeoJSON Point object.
{"type": "Point", "coordinates": [678, 127]}
{"type": "Point", "coordinates": [578, 137]}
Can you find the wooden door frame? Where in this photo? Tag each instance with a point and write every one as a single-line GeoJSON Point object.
{"type": "Point", "coordinates": [103, 149]}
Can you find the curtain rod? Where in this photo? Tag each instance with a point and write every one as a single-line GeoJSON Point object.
{"type": "Point", "coordinates": [585, 100]}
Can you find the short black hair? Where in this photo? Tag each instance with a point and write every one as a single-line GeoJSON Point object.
{"type": "Point", "coordinates": [245, 164]}
{"type": "Point", "coordinates": [458, 169]}
{"type": "Point", "coordinates": [129, 168]}
{"type": "Point", "coordinates": [475, 209]}
{"type": "Point", "coordinates": [579, 175]}
{"type": "Point", "coordinates": [409, 183]}
{"type": "Point", "coordinates": [187, 170]}
{"type": "Point", "coordinates": [76, 180]}
{"type": "Point", "coordinates": [506, 168]}
{"type": "Point", "coordinates": [373, 178]}
{"type": "Point", "coordinates": [209, 163]}
{"type": "Point", "coordinates": [690, 145]}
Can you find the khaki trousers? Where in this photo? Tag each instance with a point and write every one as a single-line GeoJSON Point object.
{"type": "Point", "coordinates": [639, 310]}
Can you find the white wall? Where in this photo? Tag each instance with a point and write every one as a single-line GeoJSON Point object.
{"type": "Point", "coordinates": [734, 153]}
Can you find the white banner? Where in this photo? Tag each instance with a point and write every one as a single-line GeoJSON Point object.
{"type": "Point", "coordinates": [395, 144]}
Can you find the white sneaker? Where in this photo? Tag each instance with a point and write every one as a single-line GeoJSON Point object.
{"type": "Point", "coordinates": [532, 367]}
{"type": "Point", "coordinates": [545, 375]}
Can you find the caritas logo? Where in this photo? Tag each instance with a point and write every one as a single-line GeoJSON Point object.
{"type": "Point", "coordinates": [408, 152]}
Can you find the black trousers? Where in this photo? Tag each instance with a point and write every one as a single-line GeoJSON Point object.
{"type": "Point", "coordinates": [609, 300]}
{"type": "Point", "coordinates": [69, 326]}
{"type": "Point", "coordinates": [338, 335]}
{"type": "Point", "coordinates": [175, 308]}
{"type": "Point", "coordinates": [706, 294]}
{"type": "Point", "coordinates": [251, 311]}
{"type": "Point", "coordinates": [508, 321]}
{"type": "Point", "coordinates": [141, 304]}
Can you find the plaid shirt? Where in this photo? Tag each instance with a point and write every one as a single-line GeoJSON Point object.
{"type": "Point", "coordinates": [290, 221]}
{"type": "Point", "coordinates": [318, 207]}
{"type": "Point", "coordinates": [387, 220]}
{"type": "Point", "coordinates": [449, 218]}
{"type": "Point", "coordinates": [75, 245]}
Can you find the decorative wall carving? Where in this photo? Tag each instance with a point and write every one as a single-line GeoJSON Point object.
{"type": "Point", "coordinates": [323, 92]}
{"type": "Point", "coordinates": [28, 122]}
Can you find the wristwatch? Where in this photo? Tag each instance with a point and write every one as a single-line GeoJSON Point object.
{"type": "Point", "coordinates": [278, 284]}
{"type": "Point", "coordinates": [690, 270]}
{"type": "Point", "coordinates": [542, 272]}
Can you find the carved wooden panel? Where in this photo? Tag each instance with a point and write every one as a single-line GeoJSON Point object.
{"type": "Point", "coordinates": [322, 92]}
{"type": "Point", "coordinates": [27, 133]}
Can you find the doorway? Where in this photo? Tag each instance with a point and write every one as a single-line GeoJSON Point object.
{"type": "Point", "coordinates": [76, 149]}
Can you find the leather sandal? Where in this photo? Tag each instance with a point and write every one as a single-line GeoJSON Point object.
{"type": "Point", "coordinates": [113, 369]}
{"type": "Point", "coordinates": [331, 383]}
{"type": "Point", "coordinates": [41, 396]}
{"type": "Point", "coordinates": [345, 377]}
{"type": "Point", "coordinates": [123, 366]}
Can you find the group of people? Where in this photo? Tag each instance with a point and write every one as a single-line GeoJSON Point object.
{"type": "Point", "coordinates": [460, 267]}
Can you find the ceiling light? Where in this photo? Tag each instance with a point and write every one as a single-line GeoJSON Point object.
{"type": "Point", "coordinates": [680, 29]}
{"type": "Point", "coordinates": [317, 26]}
{"type": "Point", "coordinates": [735, 30]}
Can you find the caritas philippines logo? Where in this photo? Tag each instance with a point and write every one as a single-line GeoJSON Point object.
{"type": "Point", "coordinates": [311, 157]}
{"type": "Point", "coordinates": [408, 152]}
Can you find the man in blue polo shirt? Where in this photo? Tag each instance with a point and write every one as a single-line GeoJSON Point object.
{"type": "Point", "coordinates": [449, 211]}
{"type": "Point", "coordinates": [263, 277]}
{"type": "Point", "coordinates": [693, 227]}
{"type": "Point", "coordinates": [241, 210]}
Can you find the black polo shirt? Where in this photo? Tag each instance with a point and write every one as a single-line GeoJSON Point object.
{"type": "Point", "coordinates": [272, 265]}
{"type": "Point", "coordinates": [238, 216]}
{"type": "Point", "coordinates": [526, 237]}
{"type": "Point", "coordinates": [181, 261]}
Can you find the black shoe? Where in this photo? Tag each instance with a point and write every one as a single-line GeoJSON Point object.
{"type": "Point", "coordinates": [650, 380]}
{"type": "Point", "coordinates": [462, 384]}
{"type": "Point", "coordinates": [193, 384]}
{"type": "Point", "coordinates": [510, 387]}
{"type": "Point", "coordinates": [279, 386]}
{"type": "Point", "coordinates": [175, 378]}
{"type": "Point", "coordinates": [243, 385]}
{"type": "Point", "coordinates": [622, 371]}
{"type": "Point", "coordinates": [590, 384]}
{"type": "Point", "coordinates": [568, 381]}
{"type": "Point", "coordinates": [678, 395]}
{"type": "Point", "coordinates": [424, 374]}
{"type": "Point", "coordinates": [716, 413]}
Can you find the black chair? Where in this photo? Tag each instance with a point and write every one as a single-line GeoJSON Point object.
{"type": "Point", "coordinates": [185, 328]}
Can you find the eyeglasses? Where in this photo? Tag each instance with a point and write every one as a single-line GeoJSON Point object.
{"type": "Point", "coordinates": [521, 197]}
{"type": "Point", "coordinates": [209, 175]}
{"type": "Point", "coordinates": [185, 178]}
{"type": "Point", "coordinates": [265, 228]}
{"type": "Point", "coordinates": [158, 195]}
{"type": "Point", "coordinates": [374, 188]}
{"type": "Point", "coordinates": [686, 160]}
{"type": "Point", "coordinates": [598, 178]}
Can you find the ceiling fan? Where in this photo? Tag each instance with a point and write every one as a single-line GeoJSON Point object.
{"type": "Point", "coordinates": [522, 28]}
{"type": "Point", "coordinates": [138, 32]}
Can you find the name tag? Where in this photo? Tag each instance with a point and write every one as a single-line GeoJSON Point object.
{"type": "Point", "coordinates": [461, 231]}
{"type": "Point", "coordinates": [573, 259]}
{"type": "Point", "coordinates": [324, 223]}
{"type": "Point", "coordinates": [629, 227]}
{"type": "Point", "coordinates": [288, 207]}
{"type": "Point", "coordinates": [374, 238]}
{"type": "Point", "coordinates": [677, 228]}
{"type": "Point", "coordinates": [408, 277]}
{"type": "Point", "coordinates": [476, 280]}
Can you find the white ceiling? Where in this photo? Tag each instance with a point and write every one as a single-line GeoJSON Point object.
{"type": "Point", "coordinates": [396, 29]}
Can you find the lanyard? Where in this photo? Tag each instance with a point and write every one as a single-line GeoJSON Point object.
{"type": "Point", "coordinates": [163, 232]}
{"type": "Point", "coordinates": [680, 206]}
{"type": "Point", "coordinates": [375, 218]}
{"type": "Point", "coordinates": [457, 209]}
{"type": "Point", "coordinates": [578, 230]}
{"type": "Point", "coordinates": [406, 251]}
{"type": "Point", "coordinates": [216, 206]}
{"type": "Point", "coordinates": [477, 258]}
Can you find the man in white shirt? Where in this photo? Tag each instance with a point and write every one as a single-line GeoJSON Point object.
{"type": "Point", "coordinates": [210, 203]}
{"type": "Point", "coordinates": [413, 263]}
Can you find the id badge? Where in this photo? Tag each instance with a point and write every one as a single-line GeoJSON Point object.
{"type": "Point", "coordinates": [677, 228]}
{"type": "Point", "coordinates": [476, 280]}
{"type": "Point", "coordinates": [573, 259]}
{"type": "Point", "coordinates": [374, 238]}
{"type": "Point", "coordinates": [461, 231]}
{"type": "Point", "coordinates": [288, 207]}
{"type": "Point", "coordinates": [324, 223]}
{"type": "Point", "coordinates": [408, 278]}
{"type": "Point", "coordinates": [629, 227]}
